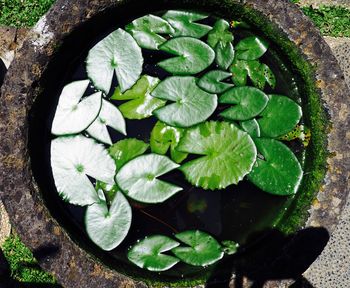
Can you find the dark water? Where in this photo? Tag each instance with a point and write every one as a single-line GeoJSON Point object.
{"type": "Point", "coordinates": [231, 214]}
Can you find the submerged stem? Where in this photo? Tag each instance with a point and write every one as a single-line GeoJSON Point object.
{"type": "Point", "coordinates": [159, 220]}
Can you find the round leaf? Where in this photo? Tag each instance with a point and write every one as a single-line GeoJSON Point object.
{"type": "Point", "coordinates": [107, 228]}
{"type": "Point", "coordinates": [72, 159]}
{"type": "Point", "coordinates": [146, 30]}
{"type": "Point", "coordinates": [184, 23]}
{"type": "Point", "coordinates": [141, 104]}
{"type": "Point", "coordinates": [251, 48]}
{"type": "Point", "coordinates": [138, 178]}
{"type": "Point", "coordinates": [227, 155]}
{"type": "Point", "coordinates": [251, 127]}
{"type": "Point", "coordinates": [192, 56]}
{"type": "Point", "coordinates": [203, 249]}
{"type": "Point", "coordinates": [192, 104]}
{"type": "Point", "coordinates": [127, 149]}
{"type": "Point", "coordinates": [148, 253]}
{"type": "Point", "coordinates": [72, 115]}
{"type": "Point", "coordinates": [211, 82]}
{"type": "Point", "coordinates": [280, 172]}
{"type": "Point", "coordinates": [164, 137]}
{"type": "Point", "coordinates": [249, 102]}
{"type": "Point", "coordinates": [280, 116]}
{"type": "Point", "coordinates": [109, 116]}
{"type": "Point", "coordinates": [220, 39]}
{"type": "Point", "coordinates": [117, 53]}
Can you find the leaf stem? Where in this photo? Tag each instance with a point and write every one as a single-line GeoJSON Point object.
{"type": "Point", "coordinates": [159, 220]}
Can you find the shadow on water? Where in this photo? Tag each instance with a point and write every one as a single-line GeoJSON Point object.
{"type": "Point", "coordinates": [8, 281]}
{"type": "Point", "coordinates": [275, 257]}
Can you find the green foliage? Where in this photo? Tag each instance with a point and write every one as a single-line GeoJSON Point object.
{"type": "Point", "coordinates": [202, 248]}
{"type": "Point", "coordinates": [227, 154]}
{"type": "Point", "coordinates": [279, 172]}
{"type": "Point", "coordinates": [191, 105]}
{"type": "Point", "coordinates": [138, 178]}
{"type": "Point", "coordinates": [141, 104]}
{"type": "Point", "coordinates": [127, 149]}
{"type": "Point", "coordinates": [191, 56]}
{"type": "Point", "coordinates": [251, 48]}
{"type": "Point", "coordinates": [331, 20]}
{"type": "Point", "coordinates": [164, 137]}
{"type": "Point", "coordinates": [22, 13]}
{"type": "Point", "coordinates": [148, 253]}
{"type": "Point", "coordinates": [212, 82]}
{"type": "Point", "coordinates": [24, 267]}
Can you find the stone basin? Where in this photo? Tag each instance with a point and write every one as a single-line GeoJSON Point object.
{"type": "Point", "coordinates": [51, 43]}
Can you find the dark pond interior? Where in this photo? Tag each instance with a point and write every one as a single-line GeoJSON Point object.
{"type": "Point", "coordinates": [235, 213]}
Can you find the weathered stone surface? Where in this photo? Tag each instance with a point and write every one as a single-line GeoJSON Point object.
{"type": "Point", "coordinates": [5, 227]}
{"type": "Point", "coordinates": [332, 268]}
{"type": "Point", "coordinates": [72, 265]}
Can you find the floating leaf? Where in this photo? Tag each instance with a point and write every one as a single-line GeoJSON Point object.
{"type": "Point", "coordinates": [192, 56]}
{"type": "Point", "coordinates": [127, 149]}
{"type": "Point", "coordinates": [107, 228]}
{"type": "Point", "coordinates": [203, 249]}
{"type": "Point", "coordinates": [280, 116]}
{"type": "Point", "coordinates": [257, 72]}
{"type": "Point", "coordinates": [192, 104]}
{"type": "Point", "coordinates": [109, 116]}
{"type": "Point", "coordinates": [251, 127]}
{"type": "Point", "coordinates": [184, 23]}
{"type": "Point", "coordinates": [280, 172]}
{"type": "Point", "coordinates": [72, 159]}
{"type": "Point", "coordinates": [227, 155]}
{"type": "Point", "coordinates": [146, 30]}
{"type": "Point", "coordinates": [141, 104]}
{"type": "Point", "coordinates": [299, 132]}
{"type": "Point", "coordinates": [211, 82]}
{"type": "Point", "coordinates": [72, 115]}
{"type": "Point", "coordinates": [164, 137]}
{"type": "Point", "coordinates": [249, 102]}
{"type": "Point", "coordinates": [229, 247]}
{"type": "Point", "coordinates": [138, 178]}
{"type": "Point", "coordinates": [251, 48]}
{"type": "Point", "coordinates": [148, 253]}
{"type": "Point", "coordinates": [117, 53]}
{"type": "Point", "coordinates": [109, 190]}
{"type": "Point", "coordinates": [220, 38]}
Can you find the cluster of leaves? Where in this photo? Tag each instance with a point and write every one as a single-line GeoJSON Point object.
{"type": "Point", "coordinates": [245, 144]}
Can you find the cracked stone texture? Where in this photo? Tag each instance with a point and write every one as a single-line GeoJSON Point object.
{"type": "Point", "coordinates": [317, 3]}
{"type": "Point", "coordinates": [332, 268]}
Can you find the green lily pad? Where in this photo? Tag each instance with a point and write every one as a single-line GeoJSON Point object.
{"type": "Point", "coordinates": [107, 228]}
{"type": "Point", "coordinates": [211, 82]}
{"type": "Point", "coordinates": [117, 53]}
{"type": "Point", "coordinates": [251, 48]}
{"type": "Point", "coordinates": [220, 38]}
{"type": "Point", "coordinates": [280, 172]}
{"type": "Point", "coordinates": [72, 159]}
{"type": "Point", "coordinates": [109, 116]}
{"type": "Point", "coordinates": [192, 56]}
{"type": "Point", "coordinates": [249, 102]}
{"type": "Point", "coordinates": [164, 137]}
{"type": "Point", "coordinates": [192, 104]}
{"type": "Point", "coordinates": [227, 155]}
{"type": "Point", "coordinates": [138, 178]}
{"type": "Point", "coordinates": [229, 247]}
{"type": "Point", "coordinates": [184, 23]}
{"type": "Point", "coordinates": [259, 73]}
{"type": "Point", "coordinates": [146, 30]}
{"type": "Point", "coordinates": [148, 253]}
{"type": "Point", "coordinates": [72, 115]}
{"type": "Point", "coordinates": [251, 127]}
{"type": "Point", "coordinates": [280, 116]}
{"type": "Point", "coordinates": [203, 249]}
{"type": "Point", "coordinates": [127, 149]}
{"type": "Point", "coordinates": [109, 190]}
{"type": "Point", "coordinates": [141, 104]}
